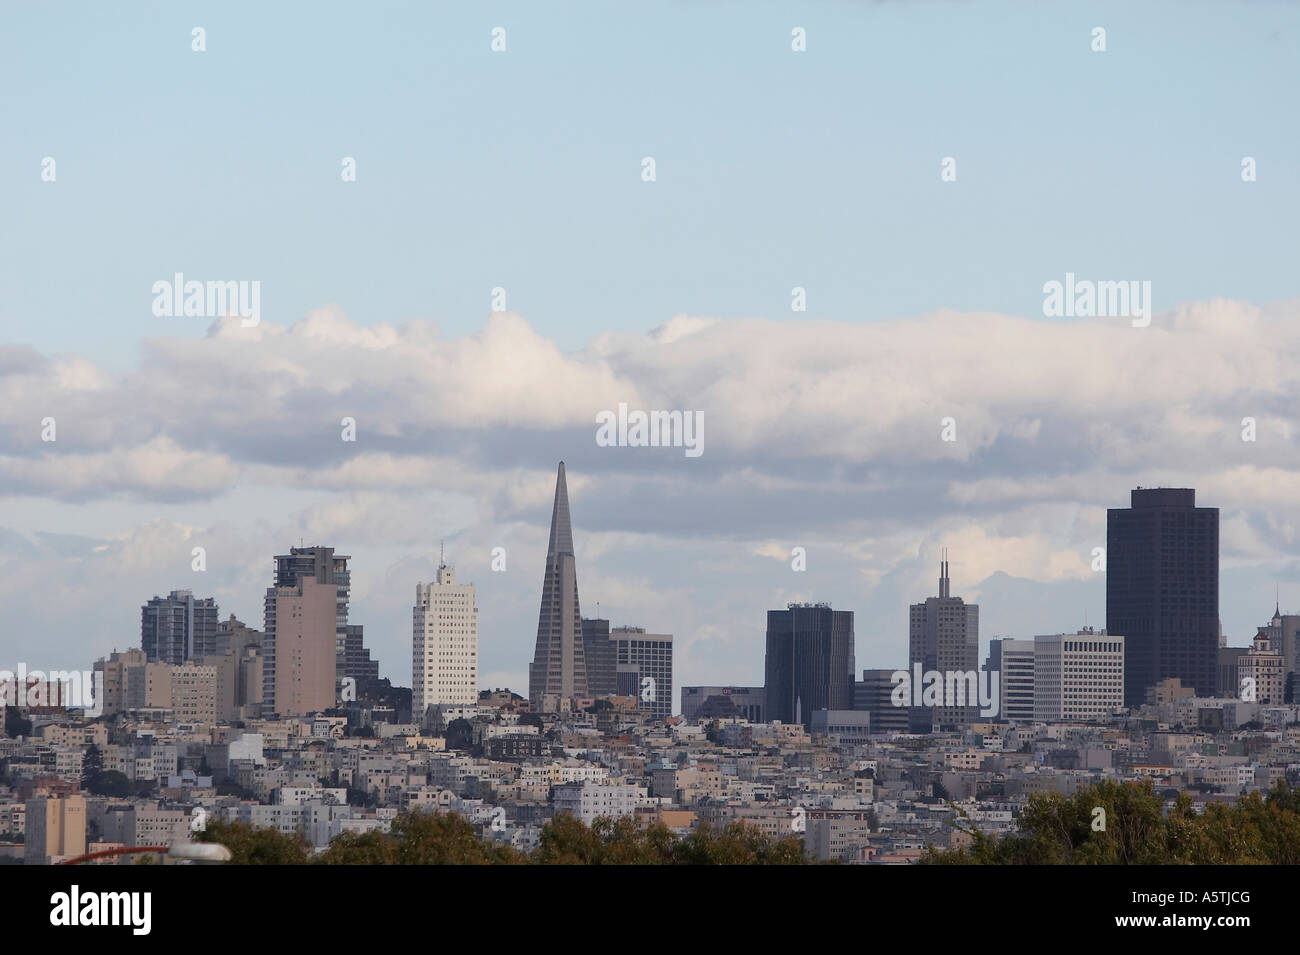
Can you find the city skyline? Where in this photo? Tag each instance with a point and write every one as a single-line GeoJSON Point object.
{"type": "Point", "coordinates": [395, 674]}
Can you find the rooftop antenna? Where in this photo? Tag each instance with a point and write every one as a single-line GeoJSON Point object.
{"type": "Point", "coordinates": [442, 552]}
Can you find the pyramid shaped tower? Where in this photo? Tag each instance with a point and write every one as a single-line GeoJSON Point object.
{"type": "Point", "coordinates": [558, 666]}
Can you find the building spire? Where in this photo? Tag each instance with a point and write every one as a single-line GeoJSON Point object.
{"type": "Point", "coordinates": [559, 663]}
{"type": "Point", "coordinates": [943, 573]}
{"type": "Point", "coordinates": [561, 529]}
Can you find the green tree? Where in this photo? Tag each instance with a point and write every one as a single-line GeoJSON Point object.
{"type": "Point", "coordinates": [15, 725]}
{"type": "Point", "coordinates": [250, 846]}
{"type": "Point", "coordinates": [419, 838]}
{"type": "Point", "coordinates": [92, 766]}
{"type": "Point", "coordinates": [1132, 828]}
{"type": "Point", "coordinates": [113, 784]}
{"type": "Point", "coordinates": [460, 734]}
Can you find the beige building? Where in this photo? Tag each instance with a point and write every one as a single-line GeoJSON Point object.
{"type": "Point", "coordinates": [194, 693]}
{"type": "Point", "coordinates": [55, 829]}
{"type": "Point", "coordinates": [132, 682]}
{"type": "Point", "coordinates": [1264, 668]}
{"type": "Point", "coordinates": [304, 675]}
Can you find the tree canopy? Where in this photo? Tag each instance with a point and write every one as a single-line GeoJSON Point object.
{"type": "Point", "coordinates": [1067, 830]}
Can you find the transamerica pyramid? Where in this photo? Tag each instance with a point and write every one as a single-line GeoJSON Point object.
{"type": "Point", "coordinates": [558, 666]}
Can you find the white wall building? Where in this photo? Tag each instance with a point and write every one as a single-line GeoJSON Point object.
{"type": "Point", "coordinates": [1017, 680]}
{"type": "Point", "coordinates": [444, 644]}
{"type": "Point", "coordinates": [1078, 676]}
{"type": "Point", "coordinates": [589, 801]}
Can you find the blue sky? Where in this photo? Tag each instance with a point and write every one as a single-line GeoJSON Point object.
{"type": "Point", "coordinates": [522, 170]}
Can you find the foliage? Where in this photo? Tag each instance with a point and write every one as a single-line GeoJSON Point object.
{"type": "Point", "coordinates": [417, 838]}
{"type": "Point", "coordinates": [250, 846]}
{"type": "Point", "coordinates": [1058, 830]}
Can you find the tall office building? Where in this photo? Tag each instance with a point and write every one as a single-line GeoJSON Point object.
{"type": "Point", "coordinates": [943, 635]}
{"type": "Point", "coordinates": [1162, 590]}
{"type": "Point", "coordinates": [809, 662]}
{"type": "Point", "coordinates": [1077, 676]}
{"type": "Point", "coordinates": [356, 663]}
{"type": "Point", "coordinates": [559, 669]}
{"type": "Point", "coordinates": [600, 655]}
{"type": "Point", "coordinates": [306, 628]}
{"type": "Point", "coordinates": [874, 694]}
{"type": "Point", "coordinates": [619, 661]}
{"type": "Point", "coordinates": [444, 644]}
{"type": "Point", "coordinates": [178, 627]}
{"type": "Point", "coordinates": [1015, 679]}
{"type": "Point", "coordinates": [643, 667]}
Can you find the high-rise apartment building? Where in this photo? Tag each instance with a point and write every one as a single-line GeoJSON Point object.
{"type": "Point", "coordinates": [808, 664]}
{"type": "Point", "coordinates": [306, 625]}
{"type": "Point", "coordinates": [178, 627]}
{"type": "Point", "coordinates": [558, 672]}
{"type": "Point", "coordinates": [943, 636]}
{"type": "Point", "coordinates": [1162, 590]}
{"type": "Point", "coordinates": [444, 644]}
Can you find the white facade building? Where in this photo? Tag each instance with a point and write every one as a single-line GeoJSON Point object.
{"type": "Point", "coordinates": [1078, 676]}
{"type": "Point", "coordinates": [589, 801]}
{"type": "Point", "coordinates": [444, 644]}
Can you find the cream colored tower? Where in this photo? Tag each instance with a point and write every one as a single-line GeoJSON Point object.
{"type": "Point", "coordinates": [444, 644]}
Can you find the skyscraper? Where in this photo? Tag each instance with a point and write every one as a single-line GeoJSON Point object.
{"type": "Point", "coordinates": [943, 636]}
{"type": "Point", "coordinates": [619, 661]}
{"type": "Point", "coordinates": [600, 655]}
{"type": "Point", "coordinates": [559, 666]}
{"type": "Point", "coordinates": [306, 628]}
{"type": "Point", "coordinates": [355, 662]}
{"type": "Point", "coordinates": [1162, 590]}
{"type": "Point", "coordinates": [178, 627]}
{"type": "Point", "coordinates": [444, 644]}
{"type": "Point", "coordinates": [873, 694]}
{"type": "Point", "coordinates": [809, 662]}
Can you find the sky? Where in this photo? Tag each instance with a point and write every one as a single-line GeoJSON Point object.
{"type": "Point", "coordinates": [522, 170]}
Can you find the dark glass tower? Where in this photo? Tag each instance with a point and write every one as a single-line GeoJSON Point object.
{"type": "Point", "coordinates": [809, 662]}
{"type": "Point", "coordinates": [1162, 589]}
{"type": "Point", "coordinates": [559, 666]}
{"type": "Point", "coordinates": [598, 652]}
